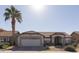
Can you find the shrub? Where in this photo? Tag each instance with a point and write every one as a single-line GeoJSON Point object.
{"type": "Point", "coordinates": [5, 46]}
{"type": "Point", "coordinates": [70, 49]}
{"type": "Point", "coordinates": [75, 45]}
{"type": "Point", "coordinates": [6, 43]}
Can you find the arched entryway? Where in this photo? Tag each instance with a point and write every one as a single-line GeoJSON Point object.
{"type": "Point", "coordinates": [58, 41]}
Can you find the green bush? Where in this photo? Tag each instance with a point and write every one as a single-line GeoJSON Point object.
{"type": "Point", "coordinates": [70, 48]}
{"type": "Point", "coordinates": [75, 43]}
{"type": "Point", "coordinates": [5, 46]}
{"type": "Point", "coordinates": [6, 43]}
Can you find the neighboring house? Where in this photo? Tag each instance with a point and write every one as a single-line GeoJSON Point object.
{"type": "Point", "coordinates": [75, 36]}
{"type": "Point", "coordinates": [6, 36]}
{"type": "Point", "coordinates": [32, 38]}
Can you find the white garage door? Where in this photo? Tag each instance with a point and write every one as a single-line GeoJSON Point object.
{"type": "Point", "coordinates": [30, 42]}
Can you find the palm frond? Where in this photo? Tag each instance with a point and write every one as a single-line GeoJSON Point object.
{"type": "Point", "coordinates": [8, 10]}
{"type": "Point", "coordinates": [13, 9]}
{"type": "Point", "coordinates": [19, 20]}
{"type": "Point", "coordinates": [6, 18]}
{"type": "Point", "coordinates": [12, 12]}
{"type": "Point", "coordinates": [17, 11]}
{"type": "Point", "coordinates": [7, 15]}
{"type": "Point", "coordinates": [19, 17]}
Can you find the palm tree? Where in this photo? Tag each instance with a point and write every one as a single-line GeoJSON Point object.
{"type": "Point", "coordinates": [13, 14]}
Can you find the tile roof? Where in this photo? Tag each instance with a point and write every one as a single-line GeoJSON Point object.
{"type": "Point", "coordinates": [1, 30]}
{"type": "Point", "coordinates": [77, 32]}
{"type": "Point", "coordinates": [47, 34]}
{"type": "Point", "coordinates": [6, 33]}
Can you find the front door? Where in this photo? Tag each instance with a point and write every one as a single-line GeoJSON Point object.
{"type": "Point", "coordinates": [58, 41]}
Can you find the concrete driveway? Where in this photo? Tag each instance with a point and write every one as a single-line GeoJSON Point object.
{"type": "Point", "coordinates": [28, 48]}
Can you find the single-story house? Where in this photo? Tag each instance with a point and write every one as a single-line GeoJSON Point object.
{"type": "Point", "coordinates": [32, 38]}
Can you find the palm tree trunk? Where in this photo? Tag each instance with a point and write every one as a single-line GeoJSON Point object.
{"type": "Point", "coordinates": [13, 27]}
{"type": "Point", "coordinates": [13, 31]}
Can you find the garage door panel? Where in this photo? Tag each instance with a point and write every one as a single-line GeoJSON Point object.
{"type": "Point", "coordinates": [30, 42]}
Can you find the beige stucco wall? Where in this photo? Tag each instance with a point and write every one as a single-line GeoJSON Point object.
{"type": "Point", "coordinates": [47, 39]}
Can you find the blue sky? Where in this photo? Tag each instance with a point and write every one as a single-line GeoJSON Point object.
{"type": "Point", "coordinates": [53, 18]}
